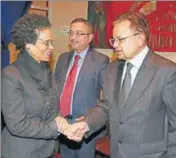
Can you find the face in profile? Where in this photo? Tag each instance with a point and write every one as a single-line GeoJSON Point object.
{"type": "Point", "coordinates": [43, 48]}
{"type": "Point", "coordinates": [80, 36]}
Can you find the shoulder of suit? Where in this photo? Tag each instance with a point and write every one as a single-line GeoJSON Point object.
{"type": "Point", "coordinates": [114, 62]}
{"type": "Point", "coordinates": [11, 71]}
{"type": "Point", "coordinates": [161, 61]}
{"type": "Point", "coordinates": [113, 65]}
{"type": "Point", "coordinates": [99, 55]}
{"type": "Point", "coordinates": [64, 54]}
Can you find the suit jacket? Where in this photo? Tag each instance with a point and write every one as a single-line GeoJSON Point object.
{"type": "Point", "coordinates": [145, 127]}
{"type": "Point", "coordinates": [89, 82]}
{"type": "Point", "coordinates": [29, 107]}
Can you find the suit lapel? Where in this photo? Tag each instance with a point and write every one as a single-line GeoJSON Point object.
{"type": "Point", "coordinates": [118, 79]}
{"type": "Point", "coordinates": [143, 78]}
{"type": "Point", "coordinates": [87, 63]}
{"type": "Point", "coordinates": [113, 87]}
{"type": "Point", "coordinates": [65, 66]}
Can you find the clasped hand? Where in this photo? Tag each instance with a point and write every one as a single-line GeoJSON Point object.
{"type": "Point", "coordinates": [73, 131]}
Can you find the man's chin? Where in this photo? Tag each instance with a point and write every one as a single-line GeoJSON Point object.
{"type": "Point", "coordinates": [73, 45]}
{"type": "Point", "coordinates": [120, 56]}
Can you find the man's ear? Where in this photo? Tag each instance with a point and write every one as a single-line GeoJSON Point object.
{"type": "Point", "coordinates": [91, 36]}
{"type": "Point", "coordinates": [142, 39]}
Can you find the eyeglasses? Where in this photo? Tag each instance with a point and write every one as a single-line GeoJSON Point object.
{"type": "Point", "coordinates": [47, 42]}
{"type": "Point", "coordinates": [117, 39]}
{"type": "Point", "coordinates": [77, 33]}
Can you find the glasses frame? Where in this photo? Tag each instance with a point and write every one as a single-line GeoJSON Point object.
{"type": "Point", "coordinates": [113, 40]}
{"type": "Point", "coordinates": [47, 42]}
{"type": "Point", "coordinates": [77, 34]}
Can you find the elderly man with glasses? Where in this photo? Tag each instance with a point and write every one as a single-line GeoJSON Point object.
{"type": "Point", "coordinates": [140, 96]}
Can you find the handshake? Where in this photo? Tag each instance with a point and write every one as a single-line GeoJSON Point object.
{"type": "Point", "coordinates": [73, 131]}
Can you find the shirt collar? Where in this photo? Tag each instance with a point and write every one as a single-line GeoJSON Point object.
{"type": "Point", "coordinates": [82, 54]}
{"type": "Point", "coordinates": [137, 60]}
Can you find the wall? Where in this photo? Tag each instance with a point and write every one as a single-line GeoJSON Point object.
{"type": "Point", "coordinates": [61, 13]}
{"type": "Point", "coordinates": [169, 55]}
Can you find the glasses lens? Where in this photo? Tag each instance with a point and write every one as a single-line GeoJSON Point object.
{"type": "Point", "coordinates": [77, 33]}
{"type": "Point", "coordinates": [71, 33]}
{"type": "Point", "coordinates": [111, 41]}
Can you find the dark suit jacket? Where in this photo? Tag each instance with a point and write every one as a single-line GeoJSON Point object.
{"type": "Point", "coordinates": [29, 107]}
{"type": "Point", "coordinates": [146, 125]}
{"type": "Point", "coordinates": [89, 82]}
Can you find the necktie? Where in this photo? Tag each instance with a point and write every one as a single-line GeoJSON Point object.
{"type": "Point", "coordinates": [126, 85]}
{"type": "Point", "coordinates": [65, 101]}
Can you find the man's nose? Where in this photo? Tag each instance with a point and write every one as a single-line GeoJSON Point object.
{"type": "Point", "coordinates": [116, 43]}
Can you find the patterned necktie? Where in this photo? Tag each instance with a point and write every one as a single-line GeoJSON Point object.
{"type": "Point", "coordinates": [65, 101]}
{"type": "Point", "coordinates": [126, 85]}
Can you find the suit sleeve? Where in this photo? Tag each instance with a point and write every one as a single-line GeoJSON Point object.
{"type": "Point", "coordinates": [169, 98]}
{"type": "Point", "coordinates": [103, 69]}
{"type": "Point", "coordinates": [99, 115]}
{"type": "Point", "coordinates": [13, 107]}
{"type": "Point", "coordinates": [57, 68]}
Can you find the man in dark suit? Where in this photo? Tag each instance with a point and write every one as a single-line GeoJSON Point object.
{"type": "Point", "coordinates": [140, 96]}
{"type": "Point", "coordinates": [80, 76]}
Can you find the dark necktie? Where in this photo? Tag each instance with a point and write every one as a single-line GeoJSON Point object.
{"type": "Point", "coordinates": [65, 101]}
{"type": "Point", "coordinates": [126, 85]}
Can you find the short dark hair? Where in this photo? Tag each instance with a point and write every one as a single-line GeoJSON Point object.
{"type": "Point", "coordinates": [138, 22]}
{"type": "Point", "coordinates": [82, 20]}
{"type": "Point", "coordinates": [25, 29]}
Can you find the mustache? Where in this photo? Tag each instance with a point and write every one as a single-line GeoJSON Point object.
{"type": "Point", "coordinates": [116, 51]}
{"type": "Point", "coordinates": [73, 41]}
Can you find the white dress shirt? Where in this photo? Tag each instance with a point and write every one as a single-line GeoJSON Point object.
{"type": "Point", "coordinates": [136, 62]}
{"type": "Point", "coordinates": [80, 63]}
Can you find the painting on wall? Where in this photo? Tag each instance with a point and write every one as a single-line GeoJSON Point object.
{"type": "Point", "coordinates": [161, 15]}
{"type": "Point", "coordinates": [39, 7]}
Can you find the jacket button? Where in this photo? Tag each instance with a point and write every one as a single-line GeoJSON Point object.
{"type": "Point", "coordinates": [120, 142]}
{"type": "Point", "coordinates": [120, 122]}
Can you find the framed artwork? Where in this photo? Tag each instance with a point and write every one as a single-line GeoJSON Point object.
{"type": "Point", "coordinates": [40, 7]}
{"type": "Point", "coordinates": [161, 16]}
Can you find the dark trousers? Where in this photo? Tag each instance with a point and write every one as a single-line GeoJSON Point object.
{"type": "Point", "coordinates": [71, 149]}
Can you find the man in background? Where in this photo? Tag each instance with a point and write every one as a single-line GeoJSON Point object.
{"type": "Point", "coordinates": [80, 76]}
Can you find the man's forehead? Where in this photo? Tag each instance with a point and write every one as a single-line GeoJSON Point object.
{"type": "Point", "coordinates": [121, 27]}
{"type": "Point", "coordinates": [123, 24]}
{"type": "Point", "coordinates": [79, 24]}
{"type": "Point", "coordinates": [79, 27]}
